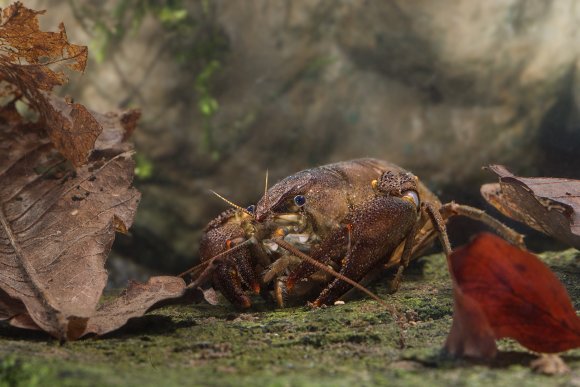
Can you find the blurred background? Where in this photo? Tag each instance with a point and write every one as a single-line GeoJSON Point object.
{"type": "Point", "coordinates": [230, 89]}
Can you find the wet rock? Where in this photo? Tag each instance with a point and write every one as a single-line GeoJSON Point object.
{"type": "Point", "coordinates": [439, 88]}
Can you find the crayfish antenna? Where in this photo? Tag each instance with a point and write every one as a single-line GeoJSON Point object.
{"type": "Point", "coordinates": [211, 264]}
{"type": "Point", "coordinates": [287, 246]}
{"type": "Point", "coordinates": [231, 203]}
{"type": "Point", "coordinates": [193, 269]}
{"type": "Point", "coordinates": [396, 316]}
{"type": "Point", "coordinates": [266, 191]}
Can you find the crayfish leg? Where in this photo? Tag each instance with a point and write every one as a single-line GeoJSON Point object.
{"type": "Point", "coordinates": [405, 259]}
{"type": "Point", "coordinates": [453, 209]}
{"type": "Point", "coordinates": [279, 266]}
{"type": "Point", "coordinates": [280, 293]}
{"type": "Point", "coordinates": [301, 290]}
{"type": "Point", "coordinates": [438, 216]}
{"type": "Point", "coordinates": [331, 248]}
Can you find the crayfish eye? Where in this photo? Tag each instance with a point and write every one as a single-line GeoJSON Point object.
{"type": "Point", "coordinates": [412, 197]}
{"type": "Point", "coordinates": [299, 200]}
{"type": "Point", "coordinates": [251, 209]}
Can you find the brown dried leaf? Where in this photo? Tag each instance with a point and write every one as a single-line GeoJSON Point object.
{"type": "Point", "coordinates": [27, 56]}
{"type": "Point", "coordinates": [23, 43]}
{"type": "Point", "coordinates": [549, 205]}
{"type": "Point", "coordinates": [10, 307]}
{"type": "Point", "coordinates": [117, 127]}
{"type": "Point", "coordinates": [57, 219]}
{"type": "Point", "coordinates": [24, 321]}
{"type": "Point", "coordinates": [135, 301]}
{"type": "Point", "coordinates": [57, 225]}
{"type": "Point", "coordinates": [72, 128]}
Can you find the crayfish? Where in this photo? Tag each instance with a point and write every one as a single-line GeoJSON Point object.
{"type": "Point", "coordinates": [321, 231]}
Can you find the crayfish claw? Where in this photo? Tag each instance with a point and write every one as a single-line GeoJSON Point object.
{"type": "Point", "coordinates": [228, 281]}
{"type": "Point", "coordinates": [246, 271]}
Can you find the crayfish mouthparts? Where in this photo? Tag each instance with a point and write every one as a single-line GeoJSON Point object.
{"type": "Point", "coordinates": [287, 218]}
{"type": "Point", "coordinates": [297, 239]}
{"type": "Point", "coordinates": [300, 241]}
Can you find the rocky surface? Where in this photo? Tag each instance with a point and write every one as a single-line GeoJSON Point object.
{"type": "Point", "coordinates": [440, 89]}
{"type": "Point", "coordinates": [352, 344]}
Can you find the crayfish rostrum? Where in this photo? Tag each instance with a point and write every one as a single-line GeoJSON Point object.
{"type": "Point", "coordinates": [315, 232]}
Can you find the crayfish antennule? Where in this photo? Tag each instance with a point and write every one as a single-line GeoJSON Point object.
{"type": "Point", "coordinates": [266, 191]}
{"type": "Point", "coordinates": [287, 246]}
{"type": "Point", "coordinates": [231, 203]}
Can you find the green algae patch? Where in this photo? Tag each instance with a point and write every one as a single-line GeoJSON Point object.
{"type": "Point", "coordinates": [355, 343]}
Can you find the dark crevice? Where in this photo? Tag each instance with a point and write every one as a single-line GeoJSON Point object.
{"type": "Point", "coordinates": [559, 136]}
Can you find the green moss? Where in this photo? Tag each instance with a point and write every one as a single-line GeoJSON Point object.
{"type": "Point", "coordinates": [356, 343]}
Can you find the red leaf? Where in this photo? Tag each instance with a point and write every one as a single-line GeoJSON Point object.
{"type": "Point", "coordinates": [519, 296]}
{"type": "Point", "coordinates": [470, 333]}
